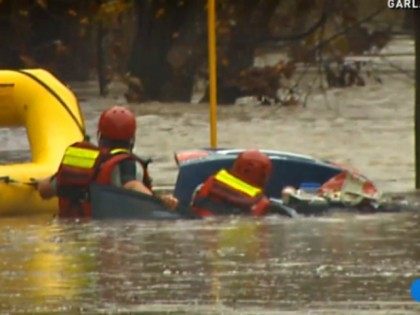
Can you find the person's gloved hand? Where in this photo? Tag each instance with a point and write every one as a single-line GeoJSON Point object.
{"type": "Point", "coordinates": [45, 187]}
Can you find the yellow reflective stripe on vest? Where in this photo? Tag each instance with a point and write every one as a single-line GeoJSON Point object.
{"type": "Point", "coordinates": [234, 182]}
{"type": "Point", "coordinates": [80, 157]}
{"type": "Point", "coordinates": [120, 150]}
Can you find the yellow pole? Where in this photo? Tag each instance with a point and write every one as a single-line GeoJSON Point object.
{"type": "Point", "coordinates": [211, 21]}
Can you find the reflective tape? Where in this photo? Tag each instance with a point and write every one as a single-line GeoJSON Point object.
{"type": "Point", "coordinates": [80, 157]}
{"type": "Point", "coordinates": [120, 150]}
{"type": "Point", "coordinates": [237, 184]}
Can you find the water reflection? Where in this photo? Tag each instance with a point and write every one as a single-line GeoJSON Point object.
{"type": "Point", "coordinates": [14, 145]}
{"type": "Point", "coordinates": [340, 262]}
{"type": "Point", "coordinates": [42, 263]}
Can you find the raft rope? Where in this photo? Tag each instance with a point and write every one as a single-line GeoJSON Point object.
{"type": "Point", "coordinates": [59, 99]}
{"type": "Point", "coordinates": [9, 180]}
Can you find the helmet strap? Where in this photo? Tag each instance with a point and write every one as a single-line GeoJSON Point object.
{"type": "Point", "coordinates": [131, 143]}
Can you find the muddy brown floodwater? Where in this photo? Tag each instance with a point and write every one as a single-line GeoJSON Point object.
{"type": "Point", "coordinates": [338, 264]}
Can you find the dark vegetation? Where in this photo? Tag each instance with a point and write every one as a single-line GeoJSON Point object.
{"type": "Point", "coordinates": [159, 47]}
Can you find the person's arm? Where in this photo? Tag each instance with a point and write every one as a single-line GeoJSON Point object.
{"type": "Point", "coordinates": [137, 186]}
{"type": "Point", "coordinates": [129, 178]}
{"type": "Point", "coordinates": [168, 199]}
{"type": "Point", "coordinates": [125, 175]}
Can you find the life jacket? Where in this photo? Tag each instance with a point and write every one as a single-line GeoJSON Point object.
{"type": "Point", "coordinates": [83, 164]}
{"type": "Point", "coordinates": [224, 193]}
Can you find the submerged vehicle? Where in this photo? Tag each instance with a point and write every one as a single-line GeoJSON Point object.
{"type": "Point", "coordinates": [307, 185]}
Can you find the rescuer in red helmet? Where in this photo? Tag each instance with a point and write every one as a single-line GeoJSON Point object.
{"type": "Point", "coordinates": [239, 190]}
{"type": "Point", "coordinates": [110, 163]}
{"type": "Point", "coordinates": [253, 167]}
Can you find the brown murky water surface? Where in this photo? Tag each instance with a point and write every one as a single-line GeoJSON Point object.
{"type": "Point", "coordinates": [339, 264]}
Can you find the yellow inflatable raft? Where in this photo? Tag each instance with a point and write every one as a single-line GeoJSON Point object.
{"type": "Point", "coordinates": [49, 111]}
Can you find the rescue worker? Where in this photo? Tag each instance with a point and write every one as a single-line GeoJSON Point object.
{"type": "Point", "coordinates": [239, 190]}
{"type": "Point", "coordinates": [110, 163]}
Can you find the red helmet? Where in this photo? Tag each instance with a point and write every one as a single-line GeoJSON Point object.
{"type": "Point", "coordinates": [253, 167]}
{"type": "Point", "coordinates": [117, 123]}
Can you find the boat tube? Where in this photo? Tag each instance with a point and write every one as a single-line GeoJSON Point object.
{"type": "Point", "coordinates": [111, 202]}
{"type": "Point", "coordinates": [48, 110]}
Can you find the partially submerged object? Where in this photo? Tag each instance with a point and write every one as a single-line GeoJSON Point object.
{"type": "Point", "coordinates": [49, 111]}
{"type": "Point", "coordinates": [298, 182]}
{"type": "Point", "coordinates": [346, 191]}
{"type": "Point", "coordinates": [288, 170]}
